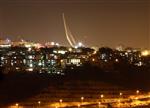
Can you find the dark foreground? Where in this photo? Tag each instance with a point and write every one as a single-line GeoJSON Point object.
{"type": "Point", "coordinates": [87, 81]}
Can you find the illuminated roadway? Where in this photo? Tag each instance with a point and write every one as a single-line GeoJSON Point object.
{"type": "Point", "coordinates": [142, 100]}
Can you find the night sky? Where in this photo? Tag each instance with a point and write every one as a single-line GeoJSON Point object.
{"type": "Point", "coordinates": [93, 22]}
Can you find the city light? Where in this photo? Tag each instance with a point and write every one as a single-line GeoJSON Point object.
{"type": "Point", "coordinates": [93, 59]}
{"type": "Point", "coordinates": [80, 44]}
{"type": "Point", "coordinates": [52, 43]}
{"type": "Point", "coordinates": [57, 44]}
{"type": "Point", "coordinates": [70, 59]}
{"type": "Point", "coordinates": [70, 49]}
{"type": "Point", "coordinates": [145, 53]}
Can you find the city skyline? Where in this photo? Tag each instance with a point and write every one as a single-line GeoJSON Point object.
{"type": "Point", "coordinates": [95, 23]}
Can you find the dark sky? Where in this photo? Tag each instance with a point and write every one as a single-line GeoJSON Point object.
{"type": "Point", "coordinates": [94, 22]}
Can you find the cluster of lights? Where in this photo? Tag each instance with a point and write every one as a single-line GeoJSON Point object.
{"type": "Point", "coordinates": [145, 53]}
{"type": "Point", "coordinates": [120, 102]}
{"type": "Point", "coordinates": [53, 44]}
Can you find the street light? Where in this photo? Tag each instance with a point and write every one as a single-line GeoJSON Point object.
{"type": "Point", "coordinates": [17, 105]}
{"type": "Point", "coordinates": [82, 98]}
{"type": "Point", "coordinates": [60, 101]}
{"type": "Point", "coordinates": [99, 103]}
{"type": "Point", "coordinates": [119, 103]}
{"type": "Point", "coordinates": [78, 105]}
{"type": "Point", "coordinates": [137, 92]}
{"type": "Point", "coordinates": [39, 102]}
{"type": "Point", "coordinates": [102, 96]}
{"type": "Point", "coordinates": [120, 94]}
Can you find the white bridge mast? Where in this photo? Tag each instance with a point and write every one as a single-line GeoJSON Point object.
{"type": "Point", "coordinates": [68, 33]}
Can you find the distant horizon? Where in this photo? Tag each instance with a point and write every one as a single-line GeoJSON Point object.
{"type": "Point", "coordinates": [94, 23]}
{"type": "Point", "coordinates": [119, 45]}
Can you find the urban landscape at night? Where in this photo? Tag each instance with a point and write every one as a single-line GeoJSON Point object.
{"type": "Point", "coordinates": [88, 69]}
{"type": "Point", "coordinates": [74, 54]}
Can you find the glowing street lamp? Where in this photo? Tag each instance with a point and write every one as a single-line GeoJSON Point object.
{"type": "Point", "coordinates": [119, 103]}
{"type": "Point", "coordinates": [39, 102]}
{"type": "Point", "coordinates": [78, 105]}
{"type": "Point", "coordinates": [82, 98]}
{"type": "Point", "coordinates": [60, 101]}
{"type": "Point", "coordinates": [17, 105]}
{"type": "Point", "coordinates": [120, 94]}
{"type": "Point", "coordinates": [137, 92]}
{"type": "Point", "coordinates": [99, 103]}
{"type": "Point", "coordinates": [102, 96]}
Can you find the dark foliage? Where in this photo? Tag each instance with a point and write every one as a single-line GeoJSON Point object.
{"type": "Point", "coordinates": [1, 73]}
